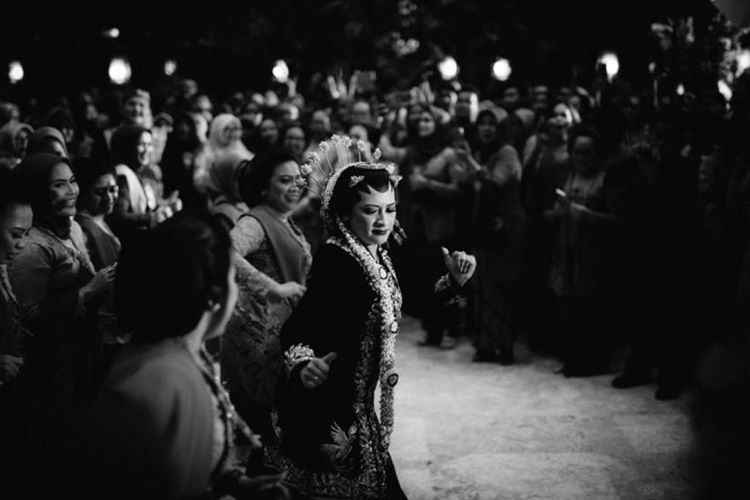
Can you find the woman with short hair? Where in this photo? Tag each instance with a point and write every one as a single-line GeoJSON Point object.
{"type": "Point", "coordinates": [272, 258]}
{"type": "Point", "coordinates": [163, 426]}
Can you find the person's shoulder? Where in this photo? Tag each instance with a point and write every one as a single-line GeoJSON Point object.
{"type": "Point", "coordinates": [37, 237]}
{"type": "Point", "coordinates": [38, 242]}
{"type": "Point", "coordinates": [155, 372]}
{"type": "Point", "coordinates": [76, 231]}
{"type": "Point", "coordinates": [223, 206]}
{"type": "Point", "coordinates": [247, 223]}
{"type": "Point", "coordinates": [87, 223]}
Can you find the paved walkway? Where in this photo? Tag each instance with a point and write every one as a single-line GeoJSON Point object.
{"type": "Point", "coordinates": [469, 431]}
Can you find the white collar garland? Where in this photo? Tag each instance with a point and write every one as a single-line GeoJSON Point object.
{"type": "Point", "coordinates": [383, 282]}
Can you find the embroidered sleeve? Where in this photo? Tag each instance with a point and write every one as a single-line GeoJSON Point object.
{"type": "Point", "coordinates": [448, 291]}
{"type": "Point", "coordinates": [247, 237]}
{"type": "Point", "coordinates": [297, 354]}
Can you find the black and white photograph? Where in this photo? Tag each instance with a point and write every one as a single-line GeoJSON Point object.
{"type": "Point", "coordinates": [375, 250]}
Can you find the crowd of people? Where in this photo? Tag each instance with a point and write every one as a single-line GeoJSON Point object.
{"type": "Point", "coordinates": [134, 236]}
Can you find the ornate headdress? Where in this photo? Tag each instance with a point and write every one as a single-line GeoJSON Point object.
{"type": "Point", "coordinates": [338, 154]}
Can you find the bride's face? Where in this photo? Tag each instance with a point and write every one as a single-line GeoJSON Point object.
{"type": "Point", "coordinates": [373, 216]}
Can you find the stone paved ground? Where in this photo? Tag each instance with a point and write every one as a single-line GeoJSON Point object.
{"type": "Point", "coordinates": [468, 431]}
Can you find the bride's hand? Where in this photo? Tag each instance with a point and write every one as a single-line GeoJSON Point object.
{"type": "Point", "coordinates": [461, 265]}
{"type": "Point", "coordinates": [315, 373]}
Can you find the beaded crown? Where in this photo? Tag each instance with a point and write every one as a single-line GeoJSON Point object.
{"type": "Point", "coordinates": [337, 154]}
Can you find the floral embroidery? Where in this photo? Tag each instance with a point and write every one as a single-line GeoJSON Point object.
{"type": "Point", "coordinates": [355, 179]}
{"type": "Point", "coordinates": [340, 453]}
{"type": "Point", "coordinates": [385, 313]}
{"type": "Point", "coordinates": [297, 354]}
{"type": "Point", "coordinates": [359, 456]}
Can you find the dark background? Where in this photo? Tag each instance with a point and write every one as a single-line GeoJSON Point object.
{"type": "Point", "coordinates": [231, 44]}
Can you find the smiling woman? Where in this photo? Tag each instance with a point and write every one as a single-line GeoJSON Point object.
{"type": "Point", "coordinates": [340, 339]}
{"type": "Point", "coordinates": [57, 290]}
{"type": "Point", "coordinates": [97, 200]}
{"type": "Point", "coordinates": [272, 258]}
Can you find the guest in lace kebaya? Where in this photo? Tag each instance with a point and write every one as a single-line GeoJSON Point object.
{"type": "Point", "coordinates": [272, 259]}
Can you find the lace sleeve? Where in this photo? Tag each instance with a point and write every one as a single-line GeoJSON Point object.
{"type": "Point", "coordinates": [247, 237]}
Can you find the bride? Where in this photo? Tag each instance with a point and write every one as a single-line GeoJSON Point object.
{"type": "Point", "coordinates": [339, 341]}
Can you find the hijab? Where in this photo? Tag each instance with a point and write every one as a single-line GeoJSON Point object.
{"type": "Point", "coordinates": [216, 141]}
{"type": "Point", "coordinates": [40, 135]}
{"type": "Point", "coordinates": [223, 178]}
{"type": "Point", "coordinates": [483, 151]}
{"type": "Point", "coordinates": [8, 135]}
{"type": "Point", "coordinates": [426, 148]}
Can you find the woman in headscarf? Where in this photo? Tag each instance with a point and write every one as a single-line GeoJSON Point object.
{"type": "Point", "coordinates": [48, 140]}
{"type": "Point", "coordinates": [483, 137]}
{"type": "Point", "coordinates": [436, 192]}
{"type": "Point", "coordinates": [14, 141]}
{"type": "Point", "coordinates": [498, 238]}
{"type": "Point", "coordinates": [224, 137]}
{"type": "Point", "coordinates": [57, 290]}
{"type": "Point", "coordinates": [224, 189]}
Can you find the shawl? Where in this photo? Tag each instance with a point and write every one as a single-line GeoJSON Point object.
{"type": "Point", "coordinates": [285, 245]}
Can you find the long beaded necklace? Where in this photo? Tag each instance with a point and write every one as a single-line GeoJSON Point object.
{"type": "Point", "coordinates": [227, 413]}
{"type": "Point", "coordinates": [382, 280]}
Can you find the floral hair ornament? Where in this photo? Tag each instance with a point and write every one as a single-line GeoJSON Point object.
{"type": "Point", "coordinates": [337, 154]}
{"type": "Point", "coordinates": [355, 179]}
